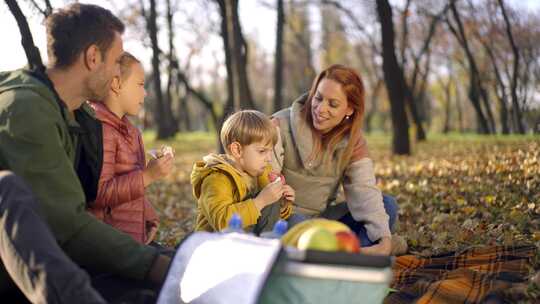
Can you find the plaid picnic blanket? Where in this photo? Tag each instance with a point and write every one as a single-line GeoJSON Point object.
{"type": "Point", "coordinates": [464, 277]}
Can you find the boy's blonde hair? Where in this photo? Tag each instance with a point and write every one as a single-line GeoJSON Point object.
{"type": "Point", "coordinates": [247, 127]}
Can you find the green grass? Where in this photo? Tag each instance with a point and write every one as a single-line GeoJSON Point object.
{"type": "Point", "coordinates": [183, 142]}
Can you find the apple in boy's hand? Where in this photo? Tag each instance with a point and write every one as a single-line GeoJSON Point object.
{"type": "Point", "coordinates": [348, 242]}
{"type": "Point", "coordinates": [274, 177]}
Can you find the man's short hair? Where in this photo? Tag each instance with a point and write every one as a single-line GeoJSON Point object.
{"type": "Point", "coordinates": [247, 127]}
{"type": "Point", "coordinates": [71, 30]}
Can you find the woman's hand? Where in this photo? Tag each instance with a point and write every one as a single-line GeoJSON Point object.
{"type": "Point", "coordinates": [384, 247]}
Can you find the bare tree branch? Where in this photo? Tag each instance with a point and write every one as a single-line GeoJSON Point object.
{"type": "Point", "coordinates": [359, 26]}
{"type": "Point", "coordinates": [515, 73]}
{"type": "Point", "coordinates": [32, 52]}
{"type": "Point", "coordinates": [46, 11]}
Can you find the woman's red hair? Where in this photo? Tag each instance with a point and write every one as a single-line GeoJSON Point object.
{"type": "Point", "coordinates": [353, 87]}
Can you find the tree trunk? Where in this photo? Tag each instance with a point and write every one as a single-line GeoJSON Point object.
{"type": "Point", "coordinates": [373, 109]}
{"type": "Point", "coordinates": [162, 115]}
{"type": "Point", "coordinates": [447, 111]}
{"type": "Point", "coordinates": [236, 50]}
{"type": "Point", "coordinates": [394, 79]}
{"type": "Point", "coordinates": [415, 95]}
{"type": "Point", "coordinates": [515, 73]}
{"type": "Point", "coordinates": [27, 41]}
{"type": "Point", "coordinates": [459, 109]}
{"type": "Point", "coordinates": [500, 89]}
{"type": "Point", "coordinates": [170, 58]}
{"type": "Point", "coordinates": [278, 62]}
{"type": "Point", "coordinates": [487, 106]}
{"type": "Point", "coordinates": [447, 107]}
{"type": "Point", "coordinates": [474, 90]}
{"type": "Point", "coordinates": [236, 55]}
{"type": "Point", "coordinates": [216, 120]}
{"type": "Point", "coordinates": [412, 102]}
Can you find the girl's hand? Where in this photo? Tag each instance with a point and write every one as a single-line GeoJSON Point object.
{"type": "Point", "coordinates": [157, 169]}
{"type": "Point", "coordinates": [151, 231]}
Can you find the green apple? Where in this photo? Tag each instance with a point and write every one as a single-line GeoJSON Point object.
{"type": "Point", "coordinates": [318, 238]}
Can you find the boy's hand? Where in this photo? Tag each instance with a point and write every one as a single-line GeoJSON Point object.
{"type": "Point", "coordinates": [270, 194]}
{"type": "Point", "coordinates": [274, 177]}
{"type": "Point", "coordinates": [157, 169]}
{"type": "Point", "coordinates": [288, 193]}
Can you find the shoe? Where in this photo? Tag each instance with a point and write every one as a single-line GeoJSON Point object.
{"type": "Point", "coordinates": [399, 245]}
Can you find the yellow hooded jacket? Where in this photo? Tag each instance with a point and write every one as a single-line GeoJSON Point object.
{"type": "Point", "coordinates": [221, 190]}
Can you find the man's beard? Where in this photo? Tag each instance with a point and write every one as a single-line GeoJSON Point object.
{"type": "Point", "coordinates": [97, 85]}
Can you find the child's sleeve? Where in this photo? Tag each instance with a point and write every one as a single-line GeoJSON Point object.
{"type": "Point", "coordinates": [114, 190]}
{"type": "Point", "coordinates": [218, 205]}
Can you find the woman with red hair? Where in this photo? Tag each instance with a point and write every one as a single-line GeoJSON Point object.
{"type": "Point", "coordinates": [321, 150]}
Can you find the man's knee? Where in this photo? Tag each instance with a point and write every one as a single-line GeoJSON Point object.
{"type": "Point", "coordinates": [9, 182]}
{"type": "Point", "coordinates": [7, 179]}
{"type": "Point", "coordinates": [13, 190]}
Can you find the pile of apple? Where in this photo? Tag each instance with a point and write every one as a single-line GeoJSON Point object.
{"type": "Point", "coordinates": [318, 238]}
{"type": "Point", "coordinates": [318, 234]}
{"type": "Point", "coordinates": [322, 234]}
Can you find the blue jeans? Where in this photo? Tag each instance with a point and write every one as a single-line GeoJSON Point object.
{"type": "Point", "coordinates": [390, 205]}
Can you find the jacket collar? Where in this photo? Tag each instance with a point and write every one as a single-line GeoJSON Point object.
{"type": "Point", "coordinates": [105, 115]}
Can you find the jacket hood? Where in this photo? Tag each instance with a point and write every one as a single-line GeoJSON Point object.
{"type": "Point", "coordinates": [212, 163]}
{"type": "Point", "coordinates": [221, 163]}
{"type": "Point", "coordinates": [23, 78]}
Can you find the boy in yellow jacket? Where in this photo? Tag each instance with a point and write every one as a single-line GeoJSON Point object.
{"type": "Point", "coordinates": [239, 180]}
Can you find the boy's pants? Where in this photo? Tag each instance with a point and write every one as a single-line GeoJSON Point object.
{"type": "Point", "coordinates": [30, 254]}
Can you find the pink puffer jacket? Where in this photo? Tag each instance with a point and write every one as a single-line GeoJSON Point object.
{"type": "Point", "coordinates": [120, 200]}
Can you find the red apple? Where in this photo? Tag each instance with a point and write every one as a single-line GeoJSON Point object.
{"type": "Point", "coordinates": [348, 242]}
{"type": "Point", "coordinates": [272, 176]}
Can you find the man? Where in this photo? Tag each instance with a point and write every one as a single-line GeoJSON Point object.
{"type": "Point", "coordinates": [39, 140]}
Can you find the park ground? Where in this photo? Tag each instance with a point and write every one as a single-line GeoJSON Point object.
{"type": "Point", "coordinates": [454, 192]}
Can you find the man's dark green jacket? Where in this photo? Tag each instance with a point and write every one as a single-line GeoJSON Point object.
{"type": "Point", "coordinates": [36, 143]}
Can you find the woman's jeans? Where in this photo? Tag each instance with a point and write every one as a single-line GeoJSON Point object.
{"type": "Point", "coordinates": [359, 228]}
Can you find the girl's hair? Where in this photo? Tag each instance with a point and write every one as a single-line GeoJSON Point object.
{"type": "Point", "coordinates": [126, 62]}
{"type": "Point", "coordinates": [353, 87]}
{"type": "Point", "coordinates": [247, 127]}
